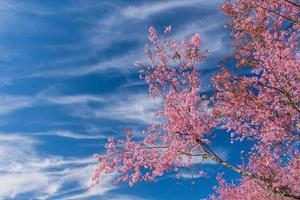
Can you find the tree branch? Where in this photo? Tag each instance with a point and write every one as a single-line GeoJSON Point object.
{"type": "Point", "coordinates": [215, 157]}
{"type": "Point", "coordinates": [276, 13]}
{"type": "Point", "coordinates": [292, 3]}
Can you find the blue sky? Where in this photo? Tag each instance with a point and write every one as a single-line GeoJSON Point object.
{"type": "Point", "coordinates": [67, 82]}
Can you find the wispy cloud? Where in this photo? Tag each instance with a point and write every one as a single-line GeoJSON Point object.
{"type": "Point", "coordinates": [123, 106]}
{"type": "Point", "coordinates": [134, 107]}
{"type": "Point", "coordinates": [25, 170]}
{"type": "Point", "coordinates": [126, 107]}
{"type": "Point", "coordinates": [120, 62]}
{"type": "Point", "coordinates": [145, 10]}
{"type": "Point", "coordinates": [16, 7]}
{"type": "Point", "coordinates": [69, 134]}
{"type": "Point", "coordinates": [74, 99]}
{"type": "Point", "coordinates": [12, 103]}
{"type": "Point", "coordinates": [110, 30]}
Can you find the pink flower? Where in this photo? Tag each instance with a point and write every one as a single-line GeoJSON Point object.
{"type": "Point", "coordinates": [195, 39]}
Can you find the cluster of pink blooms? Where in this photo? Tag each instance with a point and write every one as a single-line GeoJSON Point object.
{"type": "Point", "coordinates": [171, 75]}
{"type": "Point", "coordinates": [263, 107]}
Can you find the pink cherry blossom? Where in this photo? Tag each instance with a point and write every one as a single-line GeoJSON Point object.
{"type": "Point", "coordinates": [262, 107]}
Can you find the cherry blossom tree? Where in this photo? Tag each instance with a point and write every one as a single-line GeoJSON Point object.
{"type": "Point", "coordinates": [262, 107]}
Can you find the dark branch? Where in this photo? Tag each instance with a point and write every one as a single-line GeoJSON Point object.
{"type": "Point", "coordinates": [267, 180]}
{"type": "Point", "coordinates": [292, 3]}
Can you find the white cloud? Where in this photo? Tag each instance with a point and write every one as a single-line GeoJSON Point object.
{"type": "Point", "coordinates": [12, 103]}
{"type": "Point", "coordinates": [138, 107]}
{"type": "Point", "coordinates": [146, 10]}
{"type": "Point", "coordinates": [71, 99]}
{"type": "Point", "coordinates": [108, 30]}
{"type": "Point", "coordinates": [70, 134]}
{"type": "Point", "coordinates": [120, 62]}
{"type": "Point", "coordinates": [190, 175]}
{"type": "Point", "coordinates": [82, 175]}
{"type": "Point", "coordinates": [134, 107]}
{"type": "Point", "coordinates": [13, 184]}
{"type": "Point", "coordinates": [15, 7]}
{"type": "Point", "coordinates": [15, 153]}
{"type": "Point", "coordinates": [23, 169]}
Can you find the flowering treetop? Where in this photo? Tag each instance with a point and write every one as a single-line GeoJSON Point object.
{"type": "Point", "coordinates": [262, 107]}
{"type": "Point", "coordinates": [172, 76]}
